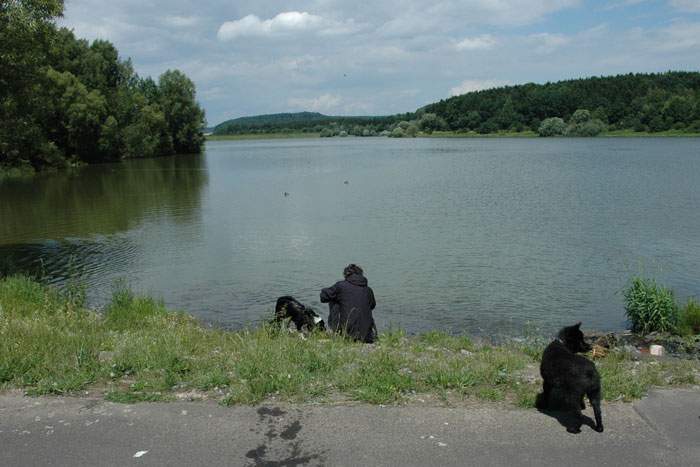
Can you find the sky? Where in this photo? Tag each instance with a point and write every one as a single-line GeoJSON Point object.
{"type": "Point", "coordinates": [359, 57]}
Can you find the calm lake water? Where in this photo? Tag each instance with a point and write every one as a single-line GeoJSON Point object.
{"type": "Point", "coordinates": [474, 235]}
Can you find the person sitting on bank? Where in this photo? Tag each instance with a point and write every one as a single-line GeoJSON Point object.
{"type": "Point", "coordinates": [350, 303]}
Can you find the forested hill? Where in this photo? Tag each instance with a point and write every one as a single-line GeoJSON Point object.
{"type": "Point", "coordinates": [303, 122]}
{"type": "Point", "coordinates": [640, 102]}
{"type": "Point", "coordinates": [272, 119]}
{"type": "Point", "coordinates": [65, 101]}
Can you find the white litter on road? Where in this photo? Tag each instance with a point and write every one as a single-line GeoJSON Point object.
{"type": "Point", "coordinates": [442, 445]}
{"type": "Point", "coordinates": [140, 453]}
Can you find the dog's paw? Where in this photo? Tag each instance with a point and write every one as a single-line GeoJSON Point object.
{"type": "Point", "coordinates": [599, 428]}
{"type": "Point", "coordinates": [573, 429]}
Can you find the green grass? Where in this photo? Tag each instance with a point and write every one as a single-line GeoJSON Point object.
{"type": "Point", "coordinates": [138, 350]}
{"type": "Point", "coordinates": [642, 134]}
{"type": "Point", "coordinates": [474, 134]}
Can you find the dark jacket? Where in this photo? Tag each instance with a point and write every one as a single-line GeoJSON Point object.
{"type": "Point", "coordinates": [350, 303]}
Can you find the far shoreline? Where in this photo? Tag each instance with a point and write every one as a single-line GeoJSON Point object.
{"type": "Point", "coordinates": [456, 134]}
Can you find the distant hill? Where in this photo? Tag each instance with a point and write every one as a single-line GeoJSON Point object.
{"type": "Point", "coordinates": [301, 122]}
{"type": "Point", "coordinates": [639, 102]}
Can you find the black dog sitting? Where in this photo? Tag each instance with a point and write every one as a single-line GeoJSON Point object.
{"type": "Point", "coordinates": [569, 377]}
{"type": "Point", "coordinates": [302, 316]}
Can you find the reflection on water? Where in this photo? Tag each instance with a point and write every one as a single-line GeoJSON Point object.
{"type": "Point", "coordinates": [101, 199]}
{"type": "Point", "coordinates": [476, 235]}
{"type": "Point", "coordinates": [85, 223]}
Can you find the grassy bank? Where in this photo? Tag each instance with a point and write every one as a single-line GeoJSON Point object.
{"type": "Point", "coordinates": [138, 350]}
{"type": "Point", "coordinates": [262, 136]}
{"type": "Point", "coordinates": [467, 134]}
{"type": "Point", "coordinates": [646, 134]}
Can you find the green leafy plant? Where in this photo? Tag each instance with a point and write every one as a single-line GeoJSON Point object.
{"type": "Point", "coordinates": [650, 307]}
{"type": "Point", "coordinates": [689, 319]}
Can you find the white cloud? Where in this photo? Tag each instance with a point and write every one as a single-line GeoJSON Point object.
{"type": "Point", "coordinates": [483, 42]}
{"type": "Point", "coordinates": [623, 3]}
{"type": "Point", "coordinates": [678, 36]}
{"type": "Point", "coordinates": [288, 22]}
{"type": "Point", "coordinates": [180, 21]}
{"type": "Point", "coordinates": [547, 43]}
{"type": "Point", "coordinates": [686, 5]}
{"type": "Point", "coordinates": [322, 103]}
{"type": "Point", "coordinates": [472, 85]}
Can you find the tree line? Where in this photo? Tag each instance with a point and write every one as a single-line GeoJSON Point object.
{"type": "Point", "coordinates": [66, 101]}
{"type": "Point", "coordinates": [639, 102]}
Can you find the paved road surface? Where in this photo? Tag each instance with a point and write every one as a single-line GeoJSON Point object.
{"type": "Point", "coordinates": [662, 429]}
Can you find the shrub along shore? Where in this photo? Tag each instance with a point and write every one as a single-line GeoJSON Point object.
{"type": "Point", "coordinates": [138, 350]}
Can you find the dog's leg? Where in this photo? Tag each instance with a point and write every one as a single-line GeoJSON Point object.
{"type": "Point", "coordinates": [594, 398]}
{"type": "Point", "coordinates": [542, 401]}
{"type": "Point", "coordinates": [572, 401]}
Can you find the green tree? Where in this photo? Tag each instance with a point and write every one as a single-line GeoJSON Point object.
{"type": "Point", "coordinates": [184, 117]}
{"type": "Point", "coordinates": [65, 100]}
{"type": "Point", "coordinates": [148, 136]}
{"type": "Point", "coordinates": [430, 122]}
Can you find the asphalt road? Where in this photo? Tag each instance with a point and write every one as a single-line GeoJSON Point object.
{"type": "Point", "coordinates": [662, 429]}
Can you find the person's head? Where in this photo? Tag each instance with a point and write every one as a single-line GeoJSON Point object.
{"type": "Point", "coordinates": [351, 269]}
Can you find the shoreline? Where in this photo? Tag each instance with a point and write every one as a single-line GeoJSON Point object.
{"type": "Point", "coordinates": [458, 134]}
{"type": "Point", "coordinates": [139, 350]}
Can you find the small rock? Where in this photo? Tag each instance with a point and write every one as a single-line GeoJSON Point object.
{"type": "Point", "coordinates": [465, 352]}
{"type": "Point", "coordinates": [656, 350]}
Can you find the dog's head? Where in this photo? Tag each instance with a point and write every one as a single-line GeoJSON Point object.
{"type": "Point", "coordinates": [572, 338]}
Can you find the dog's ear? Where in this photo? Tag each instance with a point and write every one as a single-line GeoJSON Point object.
{"type": "Point", "coordinates": [578, 325]}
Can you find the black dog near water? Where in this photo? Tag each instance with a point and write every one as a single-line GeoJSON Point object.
{"type": "Point", "coordinates": [302, 316]}
{"type": "Point", "coordinates": [568, 377]}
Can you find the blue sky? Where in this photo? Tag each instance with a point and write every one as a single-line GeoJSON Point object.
{"type": "Point", "coordinates": [362, 57]}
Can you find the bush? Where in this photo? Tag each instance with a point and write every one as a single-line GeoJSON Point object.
{"type": "Point", "coordinates": [689, 320]}
{"type": "Point", "coordinates": [554, 126]}
{"type": "Point", "coordinates": [582, 123]}
{"type": "Point", "coordinates": [650, 307]}
{"type": "Point", "coordinates": [592, 127]}
{"type": "Point", "coordinates": [397, 133]}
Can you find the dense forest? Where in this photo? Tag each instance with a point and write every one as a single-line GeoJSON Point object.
{"type": "Point", "coordinates": [580, 107]}
{"type": "Point", "coordinates": [65, 101]}
{"type": "Point", "coordinates": [639, 102]}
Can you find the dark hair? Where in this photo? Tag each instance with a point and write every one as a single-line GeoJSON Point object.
{"type": "Point", "coordinates": [351, 269]}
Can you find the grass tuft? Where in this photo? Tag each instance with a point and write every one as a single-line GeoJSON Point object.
{"type": "Point", "coordinates": [650, 307]}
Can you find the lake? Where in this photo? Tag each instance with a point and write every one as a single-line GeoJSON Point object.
{"type": "Point", "coordinates": [465, 235]}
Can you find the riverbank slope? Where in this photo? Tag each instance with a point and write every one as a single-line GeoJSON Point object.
{"type": "Point", "coordinates": [138, 350]}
